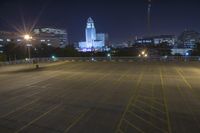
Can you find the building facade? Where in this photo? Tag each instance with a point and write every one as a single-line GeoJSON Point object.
{"type": "Point", "coordinates": [156, 40]}
{"type": "Point", "coordinates": [8, 37]}
{"type": "Point", "coordinates": [51, 37]}
{"type": "Point", "coordinates": [94, 41]}
{"type": "Point", "coordinates": [188, 39]}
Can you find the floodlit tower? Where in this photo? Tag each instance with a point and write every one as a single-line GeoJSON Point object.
{"type": "Point", "coordinates": [90, 32]}
{"type": "Point", "coordinates": [149, 18]}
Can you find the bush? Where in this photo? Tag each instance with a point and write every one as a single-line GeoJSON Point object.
{"type": "Point", "coordinates": [2, 57]}
{"type": "Point", "coordinates": [196, 50]}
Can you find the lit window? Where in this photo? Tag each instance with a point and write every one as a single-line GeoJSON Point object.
{"type": "Point", "coordinates": [1, 40]}
{"type": "Point", "coordinates": [42, 40]}
{"type": "Point", "coordinates": [8, 40]}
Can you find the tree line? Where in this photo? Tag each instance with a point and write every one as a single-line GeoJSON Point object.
{"type": "Point", "coordinates": [13, 51]}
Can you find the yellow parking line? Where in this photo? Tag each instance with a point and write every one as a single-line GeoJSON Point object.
{"type": "Point", "coordinates": [152, 100]}
{"type": "Point", "coordinates": [189, 109]}
{"type": "Point", "coordinates": [84, 113]}
{"type": "Point", "coordinates": [152, 91]}
{"type": "Point", "coordinates": [158, 103]}
{"type": "Point", "coordinates": [14, 98]}
{"type": "Point", "coordinates": [121, 131]}
{"type": "Point", "coordinates": [129, 123]}
{"type": "Point", "coordinates": [5, 115]}
{"type": "Point", "coordinates": [149, 114]}
{"type": "Point", "coordinates": [130, 101]}
{"type": "Point", "coordinates": [165, 102]}
{"type": "Point", "coordinates": [186, 82]}
{"type": "Point", "coordinates": [36, 119]}
{"type": "Point", "coordinates": [149, 97]}
{"type": "Point", "coordinates": [153, 107]}
{"type": "Point", "coordinates": [76, 120]}
{"type": "Point", "coordinates": [184, 79]}
{"type": "Point", "coordinates": [147, 122]}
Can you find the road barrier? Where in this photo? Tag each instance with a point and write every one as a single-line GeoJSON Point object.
{"type": "Point", "coordinates": [106, 59]}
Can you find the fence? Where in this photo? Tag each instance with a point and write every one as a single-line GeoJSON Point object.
{"type": "Point", "coordinates": [106, 59]}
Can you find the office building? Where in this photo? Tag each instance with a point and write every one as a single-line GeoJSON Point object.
{"type": "Point", "coordinates": [8, 37]}
{"type": "Point", "coordinates": [156, 40]}
{"type": "Point", "coordinates": [188, 39]}
{"type": "Point", "coordinates": [51, 37]}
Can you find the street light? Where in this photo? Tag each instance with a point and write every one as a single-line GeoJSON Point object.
{"type": "Point", "coordinates": [28, 38]}
{"type": "Point", "coordinates": [109, 56]}
{"type": "Point", "coordinates": [143, 52]}
{"type": "Point", "coordinates": [186, 56]}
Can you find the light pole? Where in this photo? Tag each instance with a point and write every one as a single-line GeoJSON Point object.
{"type": "Point", "coordinates": [109, 56]}
{"type": "Point", "coordinates": [28, 38]}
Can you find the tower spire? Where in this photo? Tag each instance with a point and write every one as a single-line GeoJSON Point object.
{"type": "Point", "coordinates": [149, 18]}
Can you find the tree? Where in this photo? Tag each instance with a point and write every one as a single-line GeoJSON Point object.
{"type": "Point", "coordinates": [14, 51]}
{"type": "Point", "coordinates": [43, 50]}
{"type": "Point", "coordinates": [164, 49]}
{"type": "Point", "coordinates": [196, 50]}
{"type": "Point", "coordinates": [131, 51]}
{"type": "Point", "coordinates": [2, 57]}
{"type": "Point", "coordinates": [70, 51]}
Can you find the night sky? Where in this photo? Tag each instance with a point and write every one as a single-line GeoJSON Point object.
{"type": "Point", "coordinates": [122, 19]}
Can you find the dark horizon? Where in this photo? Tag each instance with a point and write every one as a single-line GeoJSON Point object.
{"type": "Point", "coordinates": [121, 20]}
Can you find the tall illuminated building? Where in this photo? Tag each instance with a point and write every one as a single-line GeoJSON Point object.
{"type": "Point", "coordinates": [90, 33]}
{"type": "Point", "coordinates": [94, 41]}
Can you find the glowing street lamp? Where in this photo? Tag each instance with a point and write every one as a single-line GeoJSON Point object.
{"type": "Point", "coordinates": [109, 56]}
{"type": "Point", "coordinates": [143, 52]}
{"type": "Point", "coordinates": [28, 38]}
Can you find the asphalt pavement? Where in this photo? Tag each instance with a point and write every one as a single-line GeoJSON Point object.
{"type": "Point", "coordinates": [100, 97]}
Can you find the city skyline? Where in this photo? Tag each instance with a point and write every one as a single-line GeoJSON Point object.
{"type": "Point", "coordinates": [99, 66]}
{"type": "Point", "coordinates": [121, 20]}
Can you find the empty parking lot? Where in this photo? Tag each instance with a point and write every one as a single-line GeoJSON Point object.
{"type": "Point", "coordinates": [101, 97]}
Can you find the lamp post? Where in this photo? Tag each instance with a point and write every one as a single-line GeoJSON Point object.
{"type": "Point", "coordinates": [109, 56]}
{"type": "Point", "coordinates": [28, 38]}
